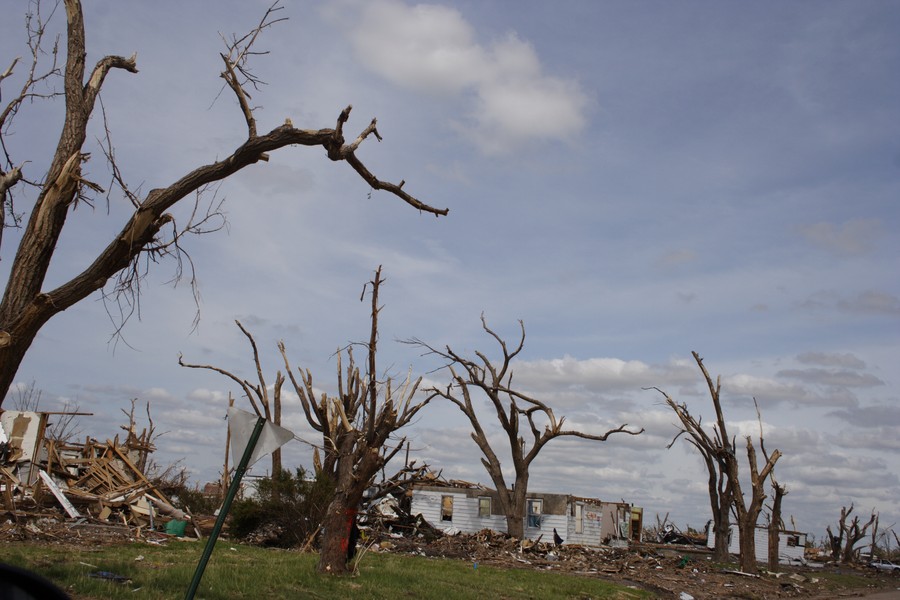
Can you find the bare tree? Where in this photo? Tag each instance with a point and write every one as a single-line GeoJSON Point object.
{"type": "Point", "coordinates": [27, 397]}
{"type": "Point", "coordinates": [62, 426]}
{"type": "Point", "coordinates": [776, 524]}
{"type": "Point", "coordinates": [719, 453]}
{"type": "Point", "coordinates": [357, 428]}
{"type": "Point", "coordinates": [265, 403]}
{"type": "Point", "coordinates": [843, 543]}
{"type": "Point", "coordinates": [514, 410]}
{"type": "Point", "coordinates": [150, 233]}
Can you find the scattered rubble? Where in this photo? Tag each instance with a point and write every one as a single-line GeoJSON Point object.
{"type": "Point", "coordinates": [98, 493]}
{"type": "Point", "coordinates": [670, 572]}
{"type": "Point", "coordinates": [96, 484]}
{"type": "Point", "coordinates": [680, 567]}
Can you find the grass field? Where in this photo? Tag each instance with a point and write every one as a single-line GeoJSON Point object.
{"type": "Point", "coordinates": [236, 571]}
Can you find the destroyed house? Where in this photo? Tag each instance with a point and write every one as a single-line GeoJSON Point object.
{"type": "Point", "coordinates": [791, 544]}
{"type": "Point", "coordinates": [469, 508]}
{"type": "Point", "coordinates": [98, 480]}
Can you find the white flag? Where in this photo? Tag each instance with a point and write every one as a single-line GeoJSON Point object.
{"type": "Point", "coordinates": [271, 438]}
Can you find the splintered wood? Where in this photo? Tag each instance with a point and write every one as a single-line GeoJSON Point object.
{"type": "Point", "coordinates": [104, 482]}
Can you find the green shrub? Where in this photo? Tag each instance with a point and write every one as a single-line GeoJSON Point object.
{"type": "Point", "coordinates": [286, 511]}
{"type": "Point", "coordinates": [195, 499]}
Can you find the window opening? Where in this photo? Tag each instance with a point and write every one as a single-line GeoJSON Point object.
{"type": "Point", "coordinates": [446, 508]}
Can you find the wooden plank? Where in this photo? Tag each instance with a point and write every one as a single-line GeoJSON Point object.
{"type": "Point", "coordinates": [70, 509]}
{"type": "Point", "coordinates": [137, 472]}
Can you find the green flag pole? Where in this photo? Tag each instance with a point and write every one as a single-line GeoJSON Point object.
{"type": "Point", "coordinates": [223, 512]}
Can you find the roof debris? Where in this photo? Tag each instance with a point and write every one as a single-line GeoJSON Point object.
{"type": "Point", "coordinates": [95, 483]}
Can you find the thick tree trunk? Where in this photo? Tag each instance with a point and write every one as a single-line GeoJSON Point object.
{"type": "Point", "coordinates": [515, 514]}
{"type": "Point", "coordinates": [276, 455]}
{"type": "Point", "coordinates": [339, 518]}
{"type": "Point", "coordinates": [748, 548]}
{"type": "Point", "coordinates": [12, 351]}
{"type": "Point", "coordinates": [773, 547]}
{"type": "Point", "coordinates": [25, 308]}
{"type": "Point", "coordinates": [515, 520]}
{"type": "Point", "coordinates": [775, 526]}
{"type": "Point", "coordinates": [721, 529]}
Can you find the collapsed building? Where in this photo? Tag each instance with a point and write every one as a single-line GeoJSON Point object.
{"type": "Point", "coordinates": [469, 508]}
{"type": "Point", "coordinates": [791, 544]}
{"type": "Point", "coordinates": [100, 481]}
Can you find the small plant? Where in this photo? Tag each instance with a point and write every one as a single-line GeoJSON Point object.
{"type": "Point", "coordinates": [194, 499]}
{"type": "Point", "coordinates": [286, 511]}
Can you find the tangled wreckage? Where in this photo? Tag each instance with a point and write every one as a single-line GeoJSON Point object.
{"type": "Point", "coordinates": [93, 482]}
{"type": "Point", "coordinates": [99, 492]}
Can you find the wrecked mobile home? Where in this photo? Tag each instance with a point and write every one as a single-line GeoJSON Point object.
{"type": "Point", "coordinates": [470, 508]}
{"type": "Point", "coordinates": [791, 544]}
{"type": "Point", "coordinates": [102, 482]}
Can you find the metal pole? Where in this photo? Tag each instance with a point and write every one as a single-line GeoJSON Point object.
{"type": "Point", "coordinates": [226, 505]}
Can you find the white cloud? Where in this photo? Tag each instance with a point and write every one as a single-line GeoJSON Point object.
{"type": "Point", "coordinates": [832, 377]}
{"type": "Point", "coordinates": [598, 375]}
{"type": "Point", "coordinates": [851, 238]}
{"type": "Point", "coordinates": [677, 257]}
{"type": "Point", "coordinates": [825, 359]}
{"type": "Point", "coordinates": [432, 48]}
{"type": "Point", "coordinates": [872, 302]}
{"type": "Point", "coordinates": [769, 391]}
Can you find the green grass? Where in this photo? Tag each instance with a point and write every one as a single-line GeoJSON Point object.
{"type": "Point", "coordinates": [841, 580]}
{"type": "Point", "coordinates": [236, 571]}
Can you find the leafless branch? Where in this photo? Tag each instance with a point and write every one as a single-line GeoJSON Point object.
{"type": "Point", "coordinates": [511, 407]}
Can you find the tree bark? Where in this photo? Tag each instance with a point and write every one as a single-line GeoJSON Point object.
{"type": "Point", "coordinates": [719, 454]}
{"type": "Point", "coordinates": [721, 531]}
{"type": "Point", "coordinates": [514, 410]}
{"type": "Point", "coordinates": [356, 428]}
{"type": "Point", "coordinates": [775, 526]}
{"type": "Point", "coordinates": [25, 308]}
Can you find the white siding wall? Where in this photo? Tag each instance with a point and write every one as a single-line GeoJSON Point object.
{"type": "Point", "coordinates": [591, 534]}
{"type": "Point", "coordinates": [466, 519]}
{"type": "Point", "coordinates": [548, 522]}
{"type": "Point", "coordinates": [465, 512]}
{"type": "Point", "coordinates": [761, 543]}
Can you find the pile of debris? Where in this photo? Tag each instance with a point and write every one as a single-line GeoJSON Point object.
{"type": "Point", "coordinates": [680, 567]}
{"type": "Point", "coordinates": [669, 571]}
{"type": "Point", "coordinates": [95, 481]}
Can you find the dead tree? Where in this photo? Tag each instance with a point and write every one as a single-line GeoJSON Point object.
{"type": "Point", "coordinates": [150, 233]}
{"type": "Point", "coordinates": [264, 403]}
{"type": "Point", "coordinates": [843, 543]}
{"type": "Point", "coordinates": [776, 524]}
{"type": "Point", "coordinates": [719, 454]}
{"type": "Point", "coordinates": [64, 426]}
{"type": "Point", "coordinates": [357, 428]}
{"type": "Point", "coordinates": [514, 410]}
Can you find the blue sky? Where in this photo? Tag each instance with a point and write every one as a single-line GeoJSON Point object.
{"type": "Point", "coordinates": [633, 181]}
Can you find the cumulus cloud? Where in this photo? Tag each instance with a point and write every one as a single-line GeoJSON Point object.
{"type": "Point", "coordinates": [878, 439]}
{"type": "Point", "coordinates": [872, 302]}
{"type": "Point", "coordinates": [592, 372]}
{"type": "Point", "coordinates": [431, 48]}
{"type": "Point", "coordinates": [599, 374]}
{"type": "Point", "coordinates": [852, 238]}
{"type": "Point", "coordinates": [772, 391]}
{"type": "Point", "coordinates": [875, 416]}
{"type": "Point", "coordinates": [847, 360]}
{"type": "Point", "coordinates": [677, 257]}
{"type": "Point", "coordinates": [832, 377]}
{"type": "Point", "coordinates": [867, 303]}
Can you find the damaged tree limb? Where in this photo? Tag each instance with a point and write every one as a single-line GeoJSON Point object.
{"type": "Point", "coordinates": [513, 409]}
{"type": "Point", "coordinates": [25, 308]}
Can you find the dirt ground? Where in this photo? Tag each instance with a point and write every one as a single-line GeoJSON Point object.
{"type": "Point", "coordinates": [669, 571]}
